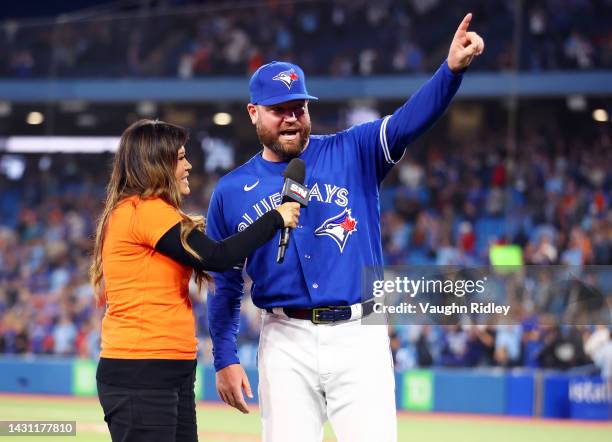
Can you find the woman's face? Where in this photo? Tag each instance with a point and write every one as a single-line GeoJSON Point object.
{"type": "Point", "coordinates": [182, 171]}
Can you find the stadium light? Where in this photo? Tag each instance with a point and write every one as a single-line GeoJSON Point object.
{"type": "Point", "coordinates": [86, 120]}
{"type": "Point", "coordinates": [5, 108]}
{"type": "Point", "coordinates": [35, 118]}
{"type": "Point", "coordinates": [73, 106]}
{"type": "Point", "coordinates": [146, 108]}
{"type": "Point", "coordinates": [576, 103]}
{"type": "Point", "coordinates": [600, 115]}
{"type": "Point", "coordinates": [222, 119]}
{"type": "Point", "coordinates": [12, 166]}
{"type": "Point", "coordinates": [65, 144]}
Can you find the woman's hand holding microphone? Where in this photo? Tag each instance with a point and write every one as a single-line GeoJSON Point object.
{"type": "Point", "coordinates": [290, 213]}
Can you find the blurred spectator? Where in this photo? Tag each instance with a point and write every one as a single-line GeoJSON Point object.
{"type": "Point", "coordinates": [228, 38]}
{"type": "Point", "coordinates": [508, 345]}
{"type": "Point", "coordinates": [65, 336]}
{"type": "Point", "coordinates": [562, 348]}
{"type": "Point", "coordinates": [578, 51]}
{"type": "Point", "coordinates": [219, 154]}
{"type": "Point", "coordinates": [446, 203]}
{"type": "Point", "coordinates": [455, 347]}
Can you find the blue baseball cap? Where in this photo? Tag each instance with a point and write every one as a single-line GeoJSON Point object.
{"type": "Point", "coordinates": [278, 82]}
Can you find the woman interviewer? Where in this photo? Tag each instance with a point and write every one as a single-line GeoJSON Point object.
{"type": "Point", "coordinates": [145, 251]}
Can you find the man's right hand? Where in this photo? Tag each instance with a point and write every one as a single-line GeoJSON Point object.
{"type": "Point", "coordinates": [231, 382]}
{"type": "Point", "coordinates": [464, 47]}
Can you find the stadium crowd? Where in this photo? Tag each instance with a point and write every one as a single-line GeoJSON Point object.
{"type": "Point", "coordinates": [186, 38]}
{"type": "Point", "coordinates": [447, 203]}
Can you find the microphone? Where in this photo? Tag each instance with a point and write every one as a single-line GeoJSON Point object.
{"type": "Point", "coordinates": [293, 191]}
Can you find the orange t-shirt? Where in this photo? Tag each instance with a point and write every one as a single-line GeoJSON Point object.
{"type": "Point", "coordinates": [148, 314]}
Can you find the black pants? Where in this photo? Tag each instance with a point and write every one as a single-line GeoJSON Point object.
{"type": "Point", "coordinates": [150, 415]}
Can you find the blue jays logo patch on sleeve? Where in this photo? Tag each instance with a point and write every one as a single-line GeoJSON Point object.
{"type": "Point", "coordinates": [338, 228]}
{"type": "Point", "coordinates": [287, 77]}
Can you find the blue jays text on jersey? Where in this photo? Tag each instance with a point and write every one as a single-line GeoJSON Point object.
{"type": "Point", "coordinates": [339, 232]}
{"type": "Point", "coordinates": [332, 194]}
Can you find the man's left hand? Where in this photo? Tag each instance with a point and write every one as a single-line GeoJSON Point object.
{"type": "Point", "coordinates": [464, 47]}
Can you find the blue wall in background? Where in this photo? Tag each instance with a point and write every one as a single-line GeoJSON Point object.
{"type": "Point", "coordinates": [588, 398]}
{"type": "Point", "coordinates": [520, 393]}
{"type": "Point", "coordinates": [555, 400]}
{"type": "Point", "coordinates": [469, 391]}
{"type": "Point", "coordinates": [484, 391]}
{"type": "Point", "coordinates": [40, 375]}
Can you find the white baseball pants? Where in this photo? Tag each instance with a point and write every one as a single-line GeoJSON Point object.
{"type": "Point", "coordinates": [310, 373]}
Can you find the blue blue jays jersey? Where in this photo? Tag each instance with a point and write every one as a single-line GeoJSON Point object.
{"type": "Point", "coordinates": [338, 233]}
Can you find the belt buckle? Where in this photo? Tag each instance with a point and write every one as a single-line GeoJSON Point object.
{"type": "Point", "coordinates": [315, 315]}
{"type": "Point", "coordinates": [336, 313]}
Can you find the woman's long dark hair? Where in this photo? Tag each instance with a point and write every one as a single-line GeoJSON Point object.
{"type": "Point", "coordinates": [144, 166]}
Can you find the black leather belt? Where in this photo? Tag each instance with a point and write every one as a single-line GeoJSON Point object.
{"type": "Point", "coordinates": [327, 315]}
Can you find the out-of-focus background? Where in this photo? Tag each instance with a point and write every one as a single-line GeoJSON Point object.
{"type": "Point", "coordinates": [518, 172]}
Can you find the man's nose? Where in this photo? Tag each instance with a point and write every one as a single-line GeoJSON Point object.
{"type": "Point", "coordinates": [290, 115]}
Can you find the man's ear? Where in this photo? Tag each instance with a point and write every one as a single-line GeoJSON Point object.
{"type": "Point", "coordinates": [253, 112]}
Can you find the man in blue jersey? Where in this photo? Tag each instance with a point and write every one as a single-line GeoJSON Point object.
{"type": "Point", "coordinates": [316, 361]}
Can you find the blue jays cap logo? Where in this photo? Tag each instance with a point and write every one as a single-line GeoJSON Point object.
{"type": "Point", "coordinates": [287, 77]}
{"type": "Point", "coordinates": [339, 228]}
{"type": "Point", "coordinates": [265, 86]}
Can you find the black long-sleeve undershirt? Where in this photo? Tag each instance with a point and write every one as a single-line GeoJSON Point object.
{"type": "Point", "coordinates": [218, 256]}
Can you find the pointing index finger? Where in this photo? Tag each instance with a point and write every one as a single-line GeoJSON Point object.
{"type": "Point", "coordinates": [465, 23]}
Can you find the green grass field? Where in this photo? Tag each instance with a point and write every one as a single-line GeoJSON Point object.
{"type": "Point", "coordinates": [218, 423]}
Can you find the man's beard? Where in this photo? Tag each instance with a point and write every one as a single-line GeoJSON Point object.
{"type": "Point", "coordinates": [285, 150]}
